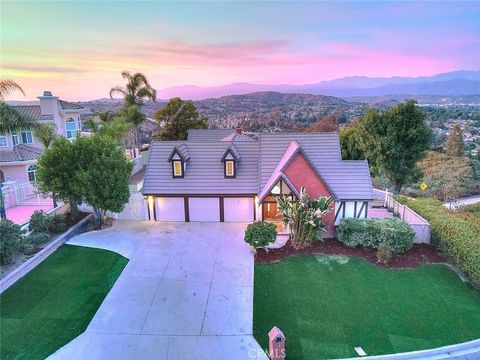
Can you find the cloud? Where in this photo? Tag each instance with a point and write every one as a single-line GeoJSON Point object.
{"type": "Point", "coordinates": [44, 69]}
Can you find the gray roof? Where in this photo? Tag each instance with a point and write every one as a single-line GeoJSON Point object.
{"type": "Point", "coordinates": [20, 152]}
{"type": "Point", "coordinates": [204, 172]}
{"type": "Point", "coordinates": [33, 111]}
{"type": "Point", "coordinates": [348, 180]}
{"type": "Point", "coordinates": [232, 150]}
{"type": "Point", "coordinates": [182, 151]}
{"type": "Point", "coordinates": [67, 105]}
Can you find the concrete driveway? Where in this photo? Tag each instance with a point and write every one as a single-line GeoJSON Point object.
{"type": "Point", "coordinates": [186, 293]}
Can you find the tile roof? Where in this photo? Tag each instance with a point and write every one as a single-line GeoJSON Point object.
{"type": "Point", "coordinates": [66, 105]}
{"type": "Point", "coordinates": [232, 150]}
{"type": "Point", "coordinates": [262, 161]}
{"type": "Point", "coordinates": [33, 111]}
{"type": "Point", "coordinates": [20, 152]}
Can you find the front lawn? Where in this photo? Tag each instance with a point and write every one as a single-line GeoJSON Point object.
{"type": "Point", "coordinates": [327, 305]}
{"type": "Point", "coordinates": [54, 303]}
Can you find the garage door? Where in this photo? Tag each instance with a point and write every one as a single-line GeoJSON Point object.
{"type": "Point", "coordinates": [238, 209]}
{"type": "Point", "coordinates": [204, 209]}
{"type": "Point", "coordinates": [170, 209]}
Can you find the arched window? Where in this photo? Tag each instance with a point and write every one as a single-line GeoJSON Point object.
{"type": "Point", "coordinates": [32, 173]}
{"type": "Point", "coordinates": [71, 128]}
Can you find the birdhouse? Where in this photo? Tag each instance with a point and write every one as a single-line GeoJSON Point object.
{"type": "Point", "coordinates": [276, 344]}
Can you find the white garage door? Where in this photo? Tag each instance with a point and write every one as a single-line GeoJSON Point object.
{"type": "Point", "coordinates": [238, 209]}
{"type": "Point", "coordinates": [170, 209]}
{"type": "Point", "coordinates": [204, 209]}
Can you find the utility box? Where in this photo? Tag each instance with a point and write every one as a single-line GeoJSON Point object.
{"type": "Point", "coordinates": [276, 344]}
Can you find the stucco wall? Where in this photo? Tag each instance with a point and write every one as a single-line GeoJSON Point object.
{"type": "Point", "coordinates": [300, 173]}
{"type": "Point", "coordinates": [15, 172]}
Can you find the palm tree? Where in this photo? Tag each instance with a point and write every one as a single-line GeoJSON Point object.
{"type": "Point", "coordinates": [107, 116]}
{"type": "Point", "coordinates": [137, 89]}
{"type": "Point", "coordinates": [8, 86]}
{"type": "Point", "coordinates": [46, 134]}
{"type": "Point", "coordinates": [11, 120]}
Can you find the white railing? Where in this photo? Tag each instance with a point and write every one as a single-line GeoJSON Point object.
{"type": "Point", "coordinates": [18, 193]}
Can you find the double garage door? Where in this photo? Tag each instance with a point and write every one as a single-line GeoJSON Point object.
{"type": "Point", "coordinates": [204, 209]}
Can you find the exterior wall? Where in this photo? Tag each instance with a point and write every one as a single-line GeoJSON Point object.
{"type": "Point", "coordinates": [16, 172]}
{"type": "Point", "coordinates": [300, 173]}
{"type": "Point", "coordinates": [350, 209]}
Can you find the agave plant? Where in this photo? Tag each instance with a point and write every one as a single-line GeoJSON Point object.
{"type": "Point", "coordinates": [304, 217]}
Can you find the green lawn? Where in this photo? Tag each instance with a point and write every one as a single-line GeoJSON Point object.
{"type": "Point", "coordinates": [327, 305]}
{"type": "Point", "coordinates": [55, 302]}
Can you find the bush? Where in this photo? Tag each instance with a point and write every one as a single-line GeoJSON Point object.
{"type": "Point", "coordinates": [12, 241]}
{"type": "Point", "coordinates": [39, 222]}
{"type": "Point", "coordinates": [384, 254]}
{"type": "Point", "coordinates": [260, 234]}
{"type": "Point", "coordinates": [57, 225]}
{"type": "Point", "coordinates": [38, 238]}
{"type": "Point", "coordinates": [370, 233]}
{"type": "Point", "coordinates": [456, 234]}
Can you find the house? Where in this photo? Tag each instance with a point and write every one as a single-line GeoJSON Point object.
{"type": "Point", "coordinates": [19, 150]}
{"type": "Point", "coordinates": [229, 175]}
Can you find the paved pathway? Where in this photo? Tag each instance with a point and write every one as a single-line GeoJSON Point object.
{"type": "Point", "coordinates": [186, 293]}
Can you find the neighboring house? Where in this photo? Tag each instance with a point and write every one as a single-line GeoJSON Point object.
{"type": "Point", "coordinates": [19, 150]}
{"type": "Point", "coordinates": [228, 175]}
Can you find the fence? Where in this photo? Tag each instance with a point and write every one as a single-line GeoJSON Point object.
{"type": "Point", "coordinates": [418, 223]}
{"type": "Point", "coordinates": [18, 193]}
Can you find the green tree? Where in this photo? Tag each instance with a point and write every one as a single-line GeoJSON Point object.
{"type": "Point", "coordinates": [46, 134]}
{"type": "Point", "coordinates": [394, 141]}
{"type": "Point", "coordinates": [349, 142]}
{"type": "Point", "coordinates": [177, 117]}
{"type": "Point", "coordinates": [136, 90]}
{"type": "Point", "coordinates": [11, 120]}
{"type": "Point", "coordinates": [454, 144]}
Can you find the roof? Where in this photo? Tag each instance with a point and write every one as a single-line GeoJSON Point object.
{"type": "Point", "coordinates": [348, 180]}
{"type": "Point", "coordinates": [238, 137]}
{"type": "Point", "coordinates": [33, 111]}
{"type": "Point", "coordinates": [20, 152]}
{"type": "Point", "coordinates": [262, 163]}
{"type": "Point", "coordinates": [231, 149]}
{"type": "Point", "coordinates": [204, 173]}
{"type": "Point", "coordinates": [66, 105]}
{"type": "Point", "coordinates": [182, 151]}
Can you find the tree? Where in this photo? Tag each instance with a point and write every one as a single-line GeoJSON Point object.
{"type": "Point", "coordinates": [91, 170]}
{"type": "Point", "coordinates": [11, 120]}
{"type": "Point", "coordinates": [7, 86]}
{"type": "Point", "coordinates": [350, 145]}
{"type": "Point", "coordinates": [177, 117]}
{"type": "Point", "coordinates": [454, 145]}
{"type": "Point", "coordinates": [136, 90]}
{"type": "Point", "coordinates": [394, 140]}
{"type": "Point", "coordinates": [327, 124]}
{"type": "Point", "coordinates": [46, 134]}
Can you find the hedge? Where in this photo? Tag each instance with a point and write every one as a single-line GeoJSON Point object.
{"type": "Point", "coordinates": [372, 233]}
{"type": "Point", "coordinates": [457, 235]}
{"type": "Point", "coordinates": [260, 234]}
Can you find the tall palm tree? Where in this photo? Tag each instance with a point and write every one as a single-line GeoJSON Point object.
{"type": "Point", "coordinates": [11, 120]}
{"type": "Point", "coordinates": [8, 86]}
{"type": "Point", "coordinates": [136, 90]}
{"type": "Point", "coordinates": [46, 134]}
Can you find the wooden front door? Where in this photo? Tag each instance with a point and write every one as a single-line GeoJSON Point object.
{"type": "Point", "coordinates": [270, 209]}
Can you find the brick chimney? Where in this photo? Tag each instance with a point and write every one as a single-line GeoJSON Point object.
{"type": "Point", "coordinates": [239, 130]}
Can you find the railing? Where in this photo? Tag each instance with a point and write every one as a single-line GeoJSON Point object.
{"type": "Point", "coordinates": [17, 193]}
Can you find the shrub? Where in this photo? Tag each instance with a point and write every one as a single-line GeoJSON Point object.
{"type": "Point", "coordinates": [370, 233]}
{"type": "Point", "coordinates": [384, 254]}
{"type": "Point", "coordinates": [260, 234]}
{"type": "Point", "coordinates": [457, 235]}
{"type": "Point", "coordinates": [39, 222]}
{"type": "Point", "coordinates": [38, 238]}
{"type": "Point", "coordinates": [57, 225]}
{"type": "Point", "coordinates": [12, 241]}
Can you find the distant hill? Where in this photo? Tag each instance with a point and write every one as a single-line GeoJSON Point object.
{"type": "Point", "coordinates": [461, 82]}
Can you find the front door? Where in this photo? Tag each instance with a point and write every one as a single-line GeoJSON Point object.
{"type": "Point", "coordinates": [270, 209]}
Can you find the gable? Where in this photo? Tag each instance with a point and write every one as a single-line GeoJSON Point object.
{"type": "Point", "coordinates": [300, 173]}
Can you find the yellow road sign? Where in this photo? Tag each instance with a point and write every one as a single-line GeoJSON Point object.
{"type": "Point", "coordinates": [423, 186]}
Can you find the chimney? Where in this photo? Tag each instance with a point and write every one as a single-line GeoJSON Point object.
{"type": "Point", "coordinates": [238, 130]}
{"type": "Point", "coordinates": [48, 103]}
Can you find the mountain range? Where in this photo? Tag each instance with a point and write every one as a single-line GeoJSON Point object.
{"type": "Point", "coordinates": [463, 82]}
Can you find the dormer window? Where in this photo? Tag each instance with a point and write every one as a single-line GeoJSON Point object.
{"type": "Point", "coordinates": [179, 158]}
{"type": "Point", "coordinates": [229, 168]}
{"type": "Point", "coordinates": [230, 159]}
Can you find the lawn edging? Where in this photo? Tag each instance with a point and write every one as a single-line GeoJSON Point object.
{"type": "Point", "coordinates": [35, 260]}
{"type": "Point", "coordinates": [444, 352]}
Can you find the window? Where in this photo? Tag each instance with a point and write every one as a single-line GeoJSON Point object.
{"type": "Point", "coordinates": [27, 137]}
{"type": "Point", "coordinates": [71, 128]}
{"type": "Point", "coordinates": [15, 138]}
{"type": "Point", "coordinates": [3, 140]}
{"type": "Point", "coordinates": [177, 168]}
{"type": "Point", "coordinates": [32, 173]}
{"type": "Point", "coordinates": [229, 168]}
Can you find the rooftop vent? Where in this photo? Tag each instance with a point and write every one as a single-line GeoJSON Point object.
{"type": "Point", "coordinates": [239, 130]}
{"type": "Point", "coordinates": [47, 93]}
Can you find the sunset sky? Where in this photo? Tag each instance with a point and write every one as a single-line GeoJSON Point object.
{"type": "Point", "coordinates": [77, 49]}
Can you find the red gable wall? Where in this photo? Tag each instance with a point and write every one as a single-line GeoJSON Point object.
{"type": "Point", "coordinates": [300, 173]}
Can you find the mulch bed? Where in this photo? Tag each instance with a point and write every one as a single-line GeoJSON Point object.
{"type": "Point", "coordinates": [71, 220]}
{"type": "Point", "coordinates": [418, 254]}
